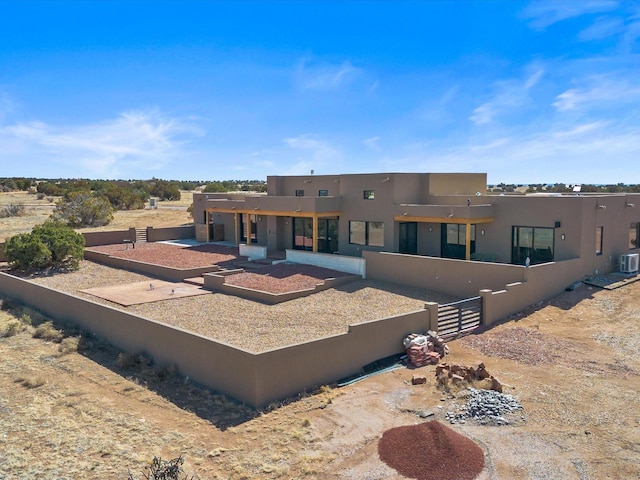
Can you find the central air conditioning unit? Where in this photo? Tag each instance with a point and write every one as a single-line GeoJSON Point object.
{"type": "Point", "coordinates": [629, 263]}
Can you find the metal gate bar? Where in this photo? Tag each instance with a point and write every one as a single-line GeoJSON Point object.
{"type": "Point", "coordinates": [459, 316]}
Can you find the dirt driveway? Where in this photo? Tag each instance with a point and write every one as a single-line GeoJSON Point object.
{"type": "Point", "coordinates": [574, 363]}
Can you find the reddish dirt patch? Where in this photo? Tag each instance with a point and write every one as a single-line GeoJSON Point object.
{"type": "Point", "coordinates": [283, 278]}
{"type": "Point", "coordinates": [431, 451]}
{"type": "Point", "coordinates": [174, 256]}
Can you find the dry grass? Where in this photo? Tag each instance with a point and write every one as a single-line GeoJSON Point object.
{"type": "Point", "coordinates": [37, 211]}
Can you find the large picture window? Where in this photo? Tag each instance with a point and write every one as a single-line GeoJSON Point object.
{"type": "Point", "coordinates": [534, 243]}
{"type": "Point", "coordinates": [454, 240]}
{"type": "Point", "coordinates": [366, 233]}
{"type": "Point", "coordinates": [633, 235]}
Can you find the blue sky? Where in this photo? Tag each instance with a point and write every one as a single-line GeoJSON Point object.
{"type": "Point", "coordinates": [529, 92]}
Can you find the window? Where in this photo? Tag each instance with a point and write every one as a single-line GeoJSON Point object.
{"type": "Point", "coordinates": [375, 233]}
{"type": "Point", "coordinates": [454, 240]}
{"type": "Point", "coordinates": [457, 234]}
{"type": "Point", "coordinates": [534, 243]}
{"type": "Point", "coordinates": [366, 233]}
{"type": "Point", "coordinates": [323, 193]}
{"type": "Point", "coordinates": [299, 193]}
{"type": "Point", "coordinates": [599, 235]}
{"type": "Point", "coordinates": [633, 235]}
{"type": "Point", "coordinates": [368, 194]}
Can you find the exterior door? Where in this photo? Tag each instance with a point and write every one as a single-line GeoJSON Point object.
{"type": "Point", "coordinates": [302, 233]}
{"type": "Point", "coordinates": [328, 235]}
{"type": "Point", "coordinates": [248, 228]}
{"type": "Point", "coordinates": [408, 237]}
{"type": "Point", "coordinates": [453, 240]}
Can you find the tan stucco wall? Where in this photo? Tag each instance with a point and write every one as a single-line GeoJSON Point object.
{"type": "Point", "coordinates": [170, 233]}
{"type": "Point", "coordinates": [541, 282]}
{"type": "Point", "coordinates": [214, 364]}
{"type": "Point", "coordinates": [256, 379]}
{"type": "Point", "coordinates": [158, 271]}
{"type": "Point", "coordinates": [453, 277]}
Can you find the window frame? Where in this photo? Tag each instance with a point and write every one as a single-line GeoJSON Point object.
{"type": "Point", "coordinates": [527, 240]}
{"type": "Point", "coordinates": [369, 194]}
{"type": "Point", "coordinates": [323, 193]}
{"type": "Point", "coordinates": [599, 239]}
{"type": "Point", "coordinates": [373, 233]}
{"type": "Point", "coordinates": [299, 193]}
{"type": "Point", "coordinates": [634, 235]}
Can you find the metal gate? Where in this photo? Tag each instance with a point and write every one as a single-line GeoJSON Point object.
{"type": "Point", "coordinates": [460, 316]}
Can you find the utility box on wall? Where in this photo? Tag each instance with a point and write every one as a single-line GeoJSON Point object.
{"type": "Point", "coordinates": [629, 263]}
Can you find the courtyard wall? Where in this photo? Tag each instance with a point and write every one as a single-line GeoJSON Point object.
{"type": "Point", "coordinates": [254, 378]}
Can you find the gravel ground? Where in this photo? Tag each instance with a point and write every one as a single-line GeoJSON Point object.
{"type": "Point", "coordinates": [251, 325]}
{"type": "Point", "coordinates": [173, 255]}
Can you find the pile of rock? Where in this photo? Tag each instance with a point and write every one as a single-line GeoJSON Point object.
{"type": "Point", "coordinates": [425, 349]}
{"type": "Point", "coordinates": [486, 407]}
{"type": "Point", "coordinates": [461, 375]}
{"type": "Point", "coordinates": [431, 451]}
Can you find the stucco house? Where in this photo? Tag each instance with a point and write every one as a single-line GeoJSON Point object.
{"type": "Point", "coordinates": [446, 215]}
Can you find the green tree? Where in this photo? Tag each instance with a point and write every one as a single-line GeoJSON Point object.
{"type": "Point", "coordinates": [51, 244]}
{"type": "Point", "coordinates": [65, 244]}
{"type": "Point", "coordinates": [164, 190]}
{"type": "Point", "coordinates": [26, 252]}
{"type": "Point", "coordinates": [82, 209]}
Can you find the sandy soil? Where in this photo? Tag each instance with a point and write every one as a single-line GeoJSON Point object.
{"type": "Point", "coordinates": [84, 416]}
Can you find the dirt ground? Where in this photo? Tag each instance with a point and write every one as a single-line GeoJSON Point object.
{"type": "Point", "coordinates": [573, 362]}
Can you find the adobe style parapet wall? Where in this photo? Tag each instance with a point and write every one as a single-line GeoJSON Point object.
{"type": "Point", "coordinates": [254, 378]}
{"type": "Point", "coordinates": [506, 289]}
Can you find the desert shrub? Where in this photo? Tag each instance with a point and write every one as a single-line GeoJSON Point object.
{"type": "Point", "coordinates": [82, 209]}
{"type": "Point", "coordinates": [13, 328]}
{"type": "Point", "coordinates": [32, 381]}
{"type": "Point", "coordinates": [46, 331]}
{"type": "Point", "coordinates": [69, 345]}
{"type": "Point", "coordinates": [65, 244]}
{"type": "Point", "coordinates": [164, 470]}
{"type": "Point", "coordinates": [27, 252]}
{"type": "Point", "coordinates": [40, 196]}
{"type": "Point", "coordinates": [126, 360]}
{"type": "Point", "coordinates": [51, 244]}
{"type": "Point", "coordinates": [12, 211]}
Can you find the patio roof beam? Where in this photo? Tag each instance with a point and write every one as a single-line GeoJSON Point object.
{"type": "Point", "coordinates": [466, 221]}
{"type": "Point", "coordinates": [277, 213]}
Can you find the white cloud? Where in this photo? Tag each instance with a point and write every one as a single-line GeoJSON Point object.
{"type": "Point", "coordinates": [325, 76]}
{"type": "Point", "coordinates": [483, 114]}
{"type": "Point", "coordinates": [544, 13]}
{"type": "Point", "coordinates": [135, 140]}
{"type": "Point", "coordinates": [600, 91]}
{"type": "Point", "coordinates": [603, 27]}
{"type": "Point", "coordinates": [509, 95]}
{"type": "Point", "coordinates": [372, 143]}
{"type": "Point", "coordinates": [597, 152]}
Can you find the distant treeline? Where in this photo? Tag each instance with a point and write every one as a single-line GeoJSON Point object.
{"type": "Point", "coordinates": [125, 194]}
{"type": "Point", "coordinates": [564, 188]}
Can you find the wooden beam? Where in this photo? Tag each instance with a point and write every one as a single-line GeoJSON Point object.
{"type": "Point", "coordinates": [467, 244]}
{"type": "Point", "coordinates": [407, 218]}
{"type": "Point", "coordinates": [314, 234]}
{"type": "Point", "coordinates": [277, 213]}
